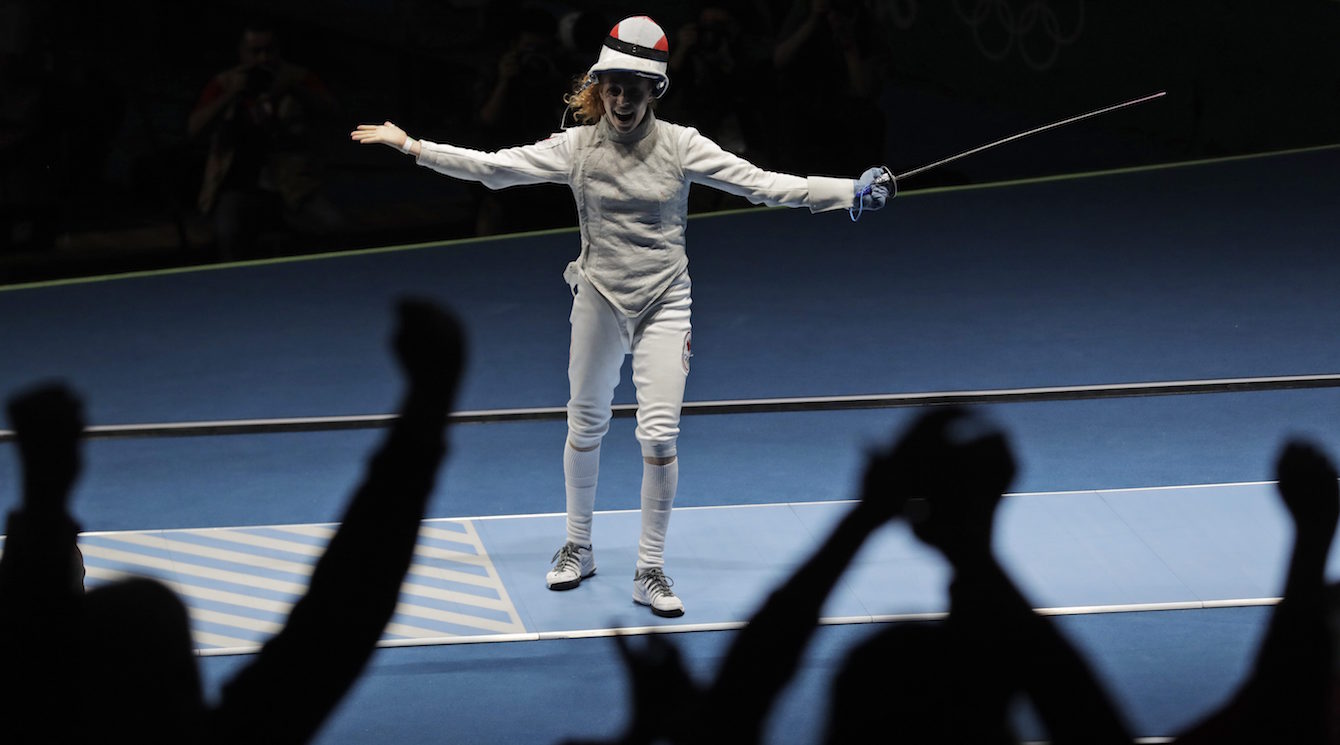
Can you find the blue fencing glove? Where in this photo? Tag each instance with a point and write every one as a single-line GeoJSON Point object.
{"type": "Point", "coordinates": [873, 189]}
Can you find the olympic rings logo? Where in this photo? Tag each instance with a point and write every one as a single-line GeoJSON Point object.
{"type": "Point", "coordinates": [900, 14]}
{"type": "Point", "coordinates": [1037, 31]}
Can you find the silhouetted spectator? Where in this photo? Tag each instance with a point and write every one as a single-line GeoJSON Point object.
{"type": "Point", "coordinates": [1286, 698]}
{"type": "Point", "coordinates": [915, 682]}
{"type": "Point", "coordinates": [117, 665]}
{"type": "Point", "coordinates": [722, 72]}
{"type": "Point", "coordinates": [262, 173]}
{"type": "Point", "coordinates": [952, 682]}
{"type": "Point", "coordinates": [579, 31]}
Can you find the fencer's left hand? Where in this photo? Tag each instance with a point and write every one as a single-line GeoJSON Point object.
{"type": "Point", "coordinates": [871, 192]}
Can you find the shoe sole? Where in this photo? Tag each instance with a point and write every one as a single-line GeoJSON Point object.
{"type": "Point", "coordinates": [560, 586]}
{"type": "Point", "coordinates": [662, 613]}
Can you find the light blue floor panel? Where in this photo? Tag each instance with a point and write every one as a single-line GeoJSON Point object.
{"type": "Point", "coordinates": [1072, 549]}
{"type": "Point", "coordinates": [1226, 542]}
{"type": "Point", "coordinates": [1080, 552]}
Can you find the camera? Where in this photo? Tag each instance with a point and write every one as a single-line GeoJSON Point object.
{"type": "Point", "coordinates": [259, 80]}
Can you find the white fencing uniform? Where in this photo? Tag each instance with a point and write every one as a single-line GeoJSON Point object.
{"type": "Point", "coordinates": [630, 283]}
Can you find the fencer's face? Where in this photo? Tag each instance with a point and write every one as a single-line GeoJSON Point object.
{"type": "Point", "coordinates": [626, 98]}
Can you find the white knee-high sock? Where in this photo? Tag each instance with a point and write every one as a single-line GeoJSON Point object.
{"type": "Point", "coordinates": [581, 469]}
{"type": "Point", "coordinates": [658, 496]}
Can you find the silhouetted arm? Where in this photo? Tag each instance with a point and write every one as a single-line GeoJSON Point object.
{"type": "Point", "coordinates": [993, 616]}
{"type": "Point", "coordinates": [765, 655]}
{"type": "Point", "coordinates": [301, 674]}
{"type": "Point", "coordinates": [1285, 699]}
{"type": "Point", "coordinates": [974, 467]}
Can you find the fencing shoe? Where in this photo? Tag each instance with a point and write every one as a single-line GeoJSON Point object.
{"type": "Point", "coordinates": [572, 564]}
{"type": "Point", "coordinates": [652, 588]}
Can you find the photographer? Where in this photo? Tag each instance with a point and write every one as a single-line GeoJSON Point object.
{"type": "Point", "coordinates": [521, 101]}
{"type": "Point", "coordinates": [261, 172]}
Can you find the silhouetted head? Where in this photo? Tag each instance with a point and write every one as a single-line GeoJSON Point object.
{"type": "Point", "coordinates": [915, 683]}
{"type": "Point", "coordinates": [136, 650]}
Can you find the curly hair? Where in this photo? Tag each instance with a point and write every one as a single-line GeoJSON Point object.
{"type": "Point", "coordinates": [587, 106]}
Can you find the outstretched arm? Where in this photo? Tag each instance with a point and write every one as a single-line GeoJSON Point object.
{"type": "Point", "coordinates": [547, 161]}
{"type": "Point", "coordinates": [705, 162]}
{"type": "Point", "coordinates": [302, 673]}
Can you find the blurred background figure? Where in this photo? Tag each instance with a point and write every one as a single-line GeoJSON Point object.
{"type": "Point", "coordinates": [722, 83]}
{"type": "Point", "coordinates": [521, 100]}
{"type": "Point", "coordinates": [27, 189]}
{"type": "Point", "coordinates": [830, 63]}
{"type": "Point", "coordinates": [261, 172]}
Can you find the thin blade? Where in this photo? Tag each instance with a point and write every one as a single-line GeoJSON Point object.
{"type": "Point", "coordinates": [1034, 131]}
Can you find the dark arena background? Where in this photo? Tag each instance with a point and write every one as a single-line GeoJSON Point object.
{"type": "Point", "coordinates": [100, 174]}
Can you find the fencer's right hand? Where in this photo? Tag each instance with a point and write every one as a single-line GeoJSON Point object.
{"type": "Point", "coordinates": [385, 133]}
{"type": "Point", "coordinates": [871, 191]}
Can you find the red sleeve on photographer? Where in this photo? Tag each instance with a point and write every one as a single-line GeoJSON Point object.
{"type": "Point", "coordinates": [212, 92]}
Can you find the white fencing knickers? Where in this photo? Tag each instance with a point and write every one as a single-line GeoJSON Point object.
{"type": "Point", "coordinates": [659, 341]}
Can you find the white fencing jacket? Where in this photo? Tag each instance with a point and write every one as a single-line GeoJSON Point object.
{"type": "Point", "coordinates": [632, 193]}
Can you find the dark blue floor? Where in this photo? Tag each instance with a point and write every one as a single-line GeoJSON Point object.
{"type": "Point", "coordinates": [1154, 664]}
{"type": "Point", "coordinates": [1206, 271]}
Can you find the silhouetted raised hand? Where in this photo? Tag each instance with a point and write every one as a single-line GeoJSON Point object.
{"type": "Point", "coordinates": [1310, 491]}
{"type": "Point", "coordinates": [429, 346]}
{"type": "Point", "coordinates": [949, 473]}
{"type": "Point", "coordinates": [117, 664]}
{"type": "Point", "coordinates": [1285, 698]}
{"type": "Point", "coordinates": [333, 630]}
{"type": "Point", "coordinates": [764, 656]}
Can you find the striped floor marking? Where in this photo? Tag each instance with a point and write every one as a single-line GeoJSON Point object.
{"type": "Point", "coordinates": [239, 584]}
